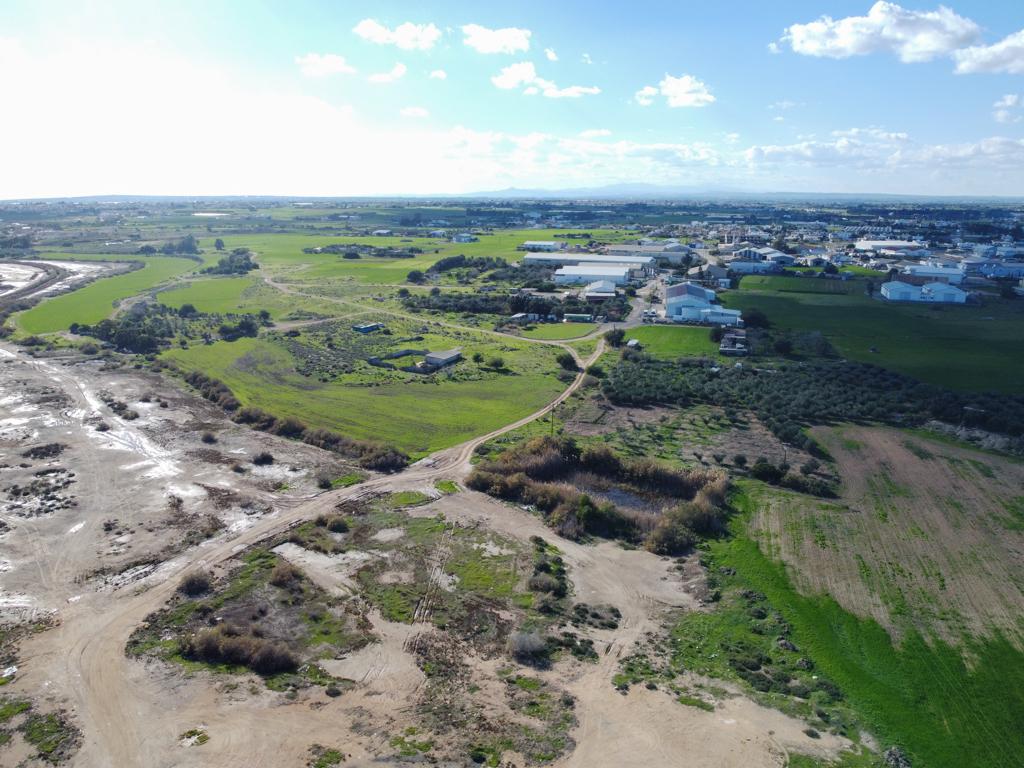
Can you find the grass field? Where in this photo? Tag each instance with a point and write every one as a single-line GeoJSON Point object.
{"type": "Point", "coordinates": [921, 539]}
{"type": "Point", "coordinates": [419, 414]}
{"type": "Point", "coordinates": [282, 254]}
{"type": "Point", "coordinates": [947, 706]}
{"type": "Point", "coordinates": [240, 295]}
{"type": "Point", "coordinates": [215, 295]}
{"type": "Point", "coordinates": [963, 347]}
{"type": "Point", "coordinates": [95, 301]}
{"type": "Point", "coordinates": [671, 342]}
{"type": "Point", "coordinates": [559, 331]}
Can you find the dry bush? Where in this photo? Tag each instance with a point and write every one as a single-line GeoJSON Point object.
{"type": "Point", "coordinates": [195, 583]}
{"type": "Point", "coordinates": [285, 575]}
{"type": "Point", "coordinates": [527, 645]}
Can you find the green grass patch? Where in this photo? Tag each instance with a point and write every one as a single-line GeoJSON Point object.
{"type": "Point", "coordinates": [559, 331]}
{"type": "Point", "coordinates": [419, 414]}
{"type": "Point", "coordinates": [401, 499]}
{"type": "Point", "coordinates": [964, 347]}
{"type": "Point", "coordinates": [95, 301]}
{"type": "Point", "coordinates": [947, 706]}
{"type": "Point", "coordinates": [670, 342]}
{"type": "Point", "coordinates": [447, 486]}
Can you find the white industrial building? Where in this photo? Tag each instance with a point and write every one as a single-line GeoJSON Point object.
{"type": "Point", "coordinates": [644, 263]}
{"type": "Point", "coordinates": [935, 293]}
{"type": "Point", "coordinates": [888, 245]}
{"type": "Point", "coordinates": [954, 275]}
{"type": "Point", "coordinates": [599, 290]}
{"type": "Point", "coordinates": [689, 302]}
{"type": "Point", "coordinates": [546, 246]}
{"type": "Point", "coordinates": [584, 274]}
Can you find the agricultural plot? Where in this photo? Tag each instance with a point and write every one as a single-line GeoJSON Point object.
{"type": "Point", "coordinates": [963, 347]}
{"type": "Point", "coordinates": [97, 300]}
{"type": "Point", "coordinates": [559, 331]}
{"type": "Point", "coordinates": [343, 392]}
{"type": "Point", "coordinates": [671, 342]}
{"type": "Point", "coordinates": [922, 539]}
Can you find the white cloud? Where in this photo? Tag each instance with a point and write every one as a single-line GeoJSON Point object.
{"type": "Point", "coordinates": [912, 35]}
{"type": "Point", "coordinates": [1005, 56]}
{"type": "Point", "coordinates": [438, 74]}
{"type": "Point", "coordinates": [782, 105]}
{"type": "Point", "coordinates": [524, 75]}
{"type": "Point", "coordinates": [732, 138]}
{"type": "Point", "coordinates": [585, 58]}
{"type": "Point", "coordinates": [779, 119]}
{"type": "Point", "coordinates": [413, 112]}
{"type": "Point", "coordinates": [872, 132]}
{"type": "Point", "coordinates": [682, 91]}
{"type": "Point", "coordinates": [323, 64]}
{"type": "Point", "coordinates": [407, 36]}
{"type": "Point", "coordinates": [595, 133]}
{"type": "Point", "coordinates": [551, 55]}
{"type": "Point", "coordinates": [506, 40]}
{"type": "Point", "coordinates": [645, 96]}
{"type": "Point", "coordinates": [1006, 109]}
{"type": "Point", "coordinates": [395, 73]}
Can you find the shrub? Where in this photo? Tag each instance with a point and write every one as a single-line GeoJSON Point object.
{"type": "Point", "coordinates": [285, 575]}
{"type": "Point", "coordinates": [527, 646]}
{"type": "Point", "coordinates": [195, 583]}
{"type": "Point", "coordinates": [263, 459]}
{"type": "Point", "coordinates": [567, 361]}
{"type": "Point", "coordinates": [337, 525]}
{"type": "Point", "coordinates": [209, 437]}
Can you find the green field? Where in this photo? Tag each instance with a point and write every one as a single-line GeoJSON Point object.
{"type": "Point", "coordinates": [963, 347]}
{"type": "Point", "coordinates": [95, 301]}
{"type": "Point", "coordinates": [240, 295]}
{"type": "Point", "coordinates": [671, 342]}
{"type": "Point", "coordinates": [218, 294]}
{"type": "Point", "coordinates": [419, 414]}
{"type": "Point", "coordinates": [281, 254]}
{"type": "Point", "coordinates": [560, 331]}
{"type": "Point", "coordinates": [948, 707]}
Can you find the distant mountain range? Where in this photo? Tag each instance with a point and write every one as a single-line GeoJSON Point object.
{"type": "Point", "coordinates": [622, 191]}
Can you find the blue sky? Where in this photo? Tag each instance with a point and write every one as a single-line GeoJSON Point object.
{"type": "Point", "coordinates": [329, 98]}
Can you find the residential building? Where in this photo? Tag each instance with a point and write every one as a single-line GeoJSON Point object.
{"type": "Point", "coordinates": [465, 237]}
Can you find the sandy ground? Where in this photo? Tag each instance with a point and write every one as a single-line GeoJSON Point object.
{"type": "Point", "coordinates": [98, 582]}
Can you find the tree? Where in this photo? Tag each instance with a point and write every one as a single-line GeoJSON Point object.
{"type": "Point", "coordinates": [870, 288]}
{"type": "Point", "coordinates": [218, 244]}
{"type": "Point", "coordinates": [783, 346]}
{"type": "Point", "coordinates": [416, 276]}
{"type": "Point", "coordinates": [497, 363]}
{"type": "Point", "coordinates": [187, 310]}
{"type": "Point", "coordinates": [615, 337]}
{"type": "Point", "coordinates": [478, 357]}
{"type": "Point", "coordinates": [755, 318]}
{"type": "Point", "coordinates": [403, 293]}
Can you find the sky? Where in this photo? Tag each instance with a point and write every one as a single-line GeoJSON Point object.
{"type": "Point", "coordinates": [321, 98]}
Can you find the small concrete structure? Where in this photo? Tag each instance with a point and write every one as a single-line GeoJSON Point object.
{"type": "Point", "coordinates": [367, 327]}
{"type": "Point", "coordinates": [441, 359]}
